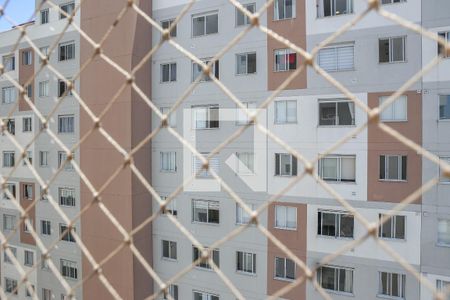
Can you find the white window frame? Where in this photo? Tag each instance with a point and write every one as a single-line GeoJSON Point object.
{"type": "Point", "coordinates": [393, 226]}
{"type": "Point", "coordinates": [12, 189]}
{"type": "Point", "coordinates": [245, 258]}
{"type": "Point", "coordinates": [446, 36]}
{"type": "Point", "coordinates": [46, 227]}
{"type": "Point", "coordinates": [172, 290]}
{"type": "Point", "coordinates": [399, 168]}
{"type": "Point", "coordinates": [10, 286]}
{"type": "Point", "coordinates": [173, 255]}
{"type": "Point", "coordinates": [339, 159]}
{"type": "Point", "coordinates": [44, 16]}
{"type": "Point", "coordinates": [210, 205]}
{"type": "Point", "coordinates": [172, 120]}
{"type": "Point", "coordinates": [285, 226]}
{"type": "Point", "coordinates": [243, 167]}
{"type": "Point", "coordinates": [9, 159]}
{"type": "Point", "coordinates": [205, 295]}
{"type": "Point", "coordinates": [9, 222]}
{"type": "Point", "coordinates": [62, 159]}
{"type": "Point", "coordinates": [246, 55]}
{"type": "Point", "coordinates": [336, 118]}
{"type": "Point", "coordinates": [170, 208]}
{"type": "Point", "coordinates": [6, 258]}
{"type": "Point", "coordinates": [205, 31]}
{"type": "Point", "coordinates": [9, 95]}
{"type": "Point", "coordinates": [27, 124]}
{"type": "Point", "coordinates": [338, 221]}
{"type": "Point", "coordinates": [442, 179]}
{"type": "Point", "coordinates": [395, 108]}
{"type": "Point", "coordinates": [276, 16]}
{"type": "Point", "coordinates": [391, 49]}
{"type": "Point", "coordinates": [284, 52]}
{"type": "Point", "coordinates": [336, 57]}
{"type": "Point", "coordinates": [242, 217]}
{"type": "Point", "coordinates": [197, 70]}
{"type": "Point", "coordinates": [170, 166]}
{"type": "Point", "coordinates": [66, 124]}
{"type": "Point", "coordinates": [284, 278]}
{"type": "Point", "coordinates": [286, 114]}
{"type": "Point", "coordinates": [68, 194]}
{"type": "Point", "coordinates": [9, 62]}
{"type": "Point", "coordinates": [208, 121]}
{"type": "Point", "coordinates": [333, 12]}
{"type": "Point", "coordinates": [44, 88]}
{"type": "Point", "coordinates": [64, 7]}
{"type": "Point", "coordinates": [337, 280]}
{"type": "Point", "coordinates": [28, 258]}
{"type": "Point", "coordinates": [68, 237]}
{"type": "Point", "coordinates": [43, 159]}
{"type": "Point", "coordinates": [446, 119]}
{"type": "Point", "coordinates": [251, 7]}
{"type": "Point", "coordinates": [387, 2]}
{"type": "Point", "coordinates": [215, 253]}
{"type": "Point", "coordinates": [69, 269]}
{"type": "Point", "coordinates": [293, 163]}
{"type": "Point", "coordinates": [401, 285]}
{"type": "Point", "coordinates": [165, 24]}
{"type": "Point", "coordinates": [172, 68]}
{"type": "Point", "coordinates": [28, 191]}
{"type": "Point", "coordinates": [241, 116]}
{"type": "Point", "coordinates": [440, 242]}
{"type": "Point", "coordinates": [27, 57]}
{"type": "Point", "coordinates": [64, 48]}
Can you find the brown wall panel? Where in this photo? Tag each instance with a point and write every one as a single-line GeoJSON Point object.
{"type": "Point", "coordinates": [26, 237]}
{"type": "Point", "coordinates": [26, 72]}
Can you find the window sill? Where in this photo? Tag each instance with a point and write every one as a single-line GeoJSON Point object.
{"type": "Point", "coordinates": [339, 182]}
{"type": "Point", "coordinates": [214, 128]}
{"type": "Point", "coordinates": [336, 126]}
{"type": "Point", "coordinates": [339, 71]}
{"type": "Point", "coordinates": [246, 273]}
{"type": "Point", "coordinates": [392, 62]}
{"type": "Point", "coordinates": [444, 120]}
{"type": "Point", "coordinates": [204, 269]}
{"type": "Point", "coordinates": [442, 245]}
{"type": "Point", "coordinates": [334, 16]}
{"type": "Point", "coordinates": [285, 123]}
{"type": "Point", "coordinates": [284, 279]}
{"type": "Point", "coordinates": [392, 240]}
{"type": "Point", "coordinates": [285, 19]}
{"type": "Point", "coordinates": [169, 259]}
{"type": "Point", "coordinates": [444, 182]}
{"type": "Point", "coordinates": [393, 121]}
{"type": "Point", "coordinates": [284, 228]}
{"type": "Point", "coordinates": [392, 181]}
{"type": "Point", "coordinates": [167, 171]}
{"type": "Point", "coordinates": [167, 82]}
{"type": "Point", "coordinates": [339, 293]}
{"type": "Point", "coordinates": [389, 297]}
{"type": "Point", "coordinates": [245, 74]}
{"type": "Point", "coordinates": [285, 71]}
{"type": "Point", "coordinates": [328, 237]}
{"type": "Point", "coordinates": [205, 223]}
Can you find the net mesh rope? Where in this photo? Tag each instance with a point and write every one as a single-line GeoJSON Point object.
{"type": "Point", "coordinates": [308, 61]}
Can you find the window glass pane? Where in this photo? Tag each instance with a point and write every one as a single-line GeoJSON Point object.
{"type": "Point", "coordinates": [285, 163]}
{"type": "Point", "coordinates": [280, 219]}
{"type": "Point", "coordinates": [400, 107]}
{"type": "Point", "coordinates": [328, 278]}
{"type": "Point", "coordinates": [393, 162]}
{"type": "Point", "coordinates": [251, 63]}
{"type": "Point", "coordinates": [346, 113]}
{"type": "Point", "coordinates": [444, 107]}
{"type": "Point", "coordinates": [384, 289]}
{"type": "Point", "coordinates": [345, 59]}
{"type": "Point", "coordinates": [386, 229]}
{"type": "Point", "coordinates": [342, 7]}
{"type": "Point", "coordinates": [291, 217]}
{"type": "Point", "coordinates": [398, 49]}
{"type": "Point", "coordinates": [291, 111]}
{"type": "Point", "coordinates": [348, 169]}
{"type": "Point", "coordinates": [241, 64]}
{"type": "Point", "coordinates": [328, 224]}
{"type": "Point", "coordinates": [288, 8]}
{"type": "Point", "coordinates": [198, 26]}
{"type": "Point", "coordinates": [327, 113]}
{"type": "Point", "coordinates": [400, 227]}
{"type": "Point", "coordinates": [444, 232]}
{"type": "Point", "coordinates": [279, 267]}
{"type": "Point", "coordinates": [280, 60]}
{"type": "Point", "coordinates": [280, 110]}
{"type": "Point", "coordinates": [329, 168]}
{"type": "Point", "coordinates": [327, 59]}
{"type": "Point", "coordinates": [290, 269]}
{"type": "Point", "coordinates": [212, 24]}
{"type": "Point", "coordinates": [347, 225]}
{"type": "Point", "coordinates": [383, 50]}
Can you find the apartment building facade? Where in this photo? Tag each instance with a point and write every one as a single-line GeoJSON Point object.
{"type": "Point", "coordinates": [372, 171]}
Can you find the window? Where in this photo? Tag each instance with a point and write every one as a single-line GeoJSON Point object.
{"type": "Point", "coordinates": [338, 279]}
{"type": "Point", "coordinates": [285, 217]}
{"type": "Point", "coordinates": [6, 258]}
{"type": "Point", "coordinates": [241, 18]}
{"type": "Point", "coordinates": [27, 292]}
{"type": "Point", "coordinates": [205, 117]}
{"type": "Point", "coordinates": [9, 95]}
{"type": "Point", "coordinates": [242, 117]}
{"type": "Point", "coordinates": [339, 168]}
{"type": "Point", "coordinates": [204, 296]}
{"type": "Point", "coordinates": [44, 51]}
{"type": "Point", "coordinates": [9, 63]}
{"type": "Point", "coordinates": [171, 208]}
{"type": "Point", "coordinates": [47, 294]}
{"type": "Point", "coordinates": [335, 224]}
{"type": "Point", "coordinates": [172, 117]}
{"type": "Point", "coordinates": [28, 259]}
{"type": "Point", "coordinates": [392, 285]}
{"type": "Point", "coordinates": [66, 51]}
{"type": "Point", "coordinates": [196, 254]}
{"type": "Point", "coordinates": [169, 72]}
{"type": "Point", "coordinates": [10, 285]}
{"type": "Point", "coordinates": [285, 111]}
{"type": "Point", "coordinates": [392, 49]}
{"type": "Point", "coordinates": [336, 112]}
{"type": "Point", "coordinates": [444, 232]}
{"type": "Point", "coordinates": [46, 227]}
{"type": "Point", "coordinates": [169, 161]}
{"type": "Point", "coordinates": [396, 111]}
{"type": "Point", "coordinates": [442, 286]}
{"type": "Point", "coordinates": [391, 1]}
{"type": "Point", "coordinates": [62, 160]}
{"type": "Point", "coordinates": [205, 24]}
{"type": "Point", "coordinates": [28, 158]}
{"type": "Point", "coordinates": [68, 8]}
{"type": "Point", "coordinates": [245, 162]}
{"type": "Point", "coordinates": [284, 268]}
{"type": "Point", "coordinates": [446, 37]}
{"type": "Point", "coordinates": [9, 222]}
{"type": "Point", "coordinates": [204, 211]}
{"type": "Point", "coordinates": [328, 8]}
{"type": "Point", "coordinates": [8, 159]}
{"type": "Point", "coordinates": [242, 217]}
{"type": "Point", "coordinates": [246, 63]}
{"type": "Point", "coordinates": [27, 124]}
{"type": "Point", "coordinates": [43, 194]}
{"type": "Point", "coordinates": [166, 25]}
{"type": "Point", "coordinates": [444, 107]}
{"type": "Point", "coordinates": [29, 89]}
{"type": "Point", "coordinates": [285, 60]}
{"type": "Point", "coordinates": [172, 291]}
{"type": "Point", "coordinates": [44, 16]}
{"type": "Point", "coordinates": [197, 70]}
{"type": "Point", "coordinates": [69, 269]}
{"type": "Point", "coordinates": [26, 228]}
{"type": "Point", "coordinates": [11, 187]}
{"type": "Point", "coordinates": [66, 124]}
{"type": "Point", "coordinates": [27, 57]}
{"type": "Point", "coordinates": [62, 88]}
{"type": "Point", "coordinates": [337, 58]}
{"type": "Point", "coordinates": [285, 165]}
{"type": "Point", "coordinates": [214, 164]}
{"type": "Point", "coordinates": [284, 9]}
{"type": "Point", "coordinates": [443, 178]}
{"type": "Point", "coordinates": [169, 249]}
{"type": "Point", "coordinates": [28, 191]}
{"type": "Point", "coordinates": [393, 228]}
{"type": "Point", "coordinates": [393, 167]}
{"type": "Point", "coordinates": [67, 236]}
{"type": "Point", "coordinates": [66, 196]}
{"type": "Point", "coordinates": [43, 88]}
{"type": "Point", "coordinates": [43, 158]}
{"type": "Point", "coordinates": [10, 126]}
{"type": "Point", "coordinates": [246, 262]}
